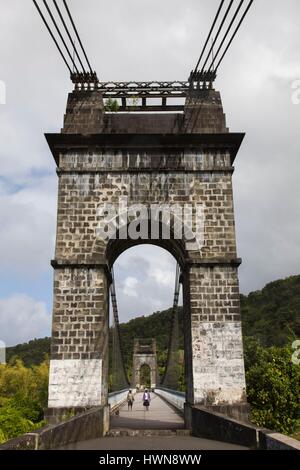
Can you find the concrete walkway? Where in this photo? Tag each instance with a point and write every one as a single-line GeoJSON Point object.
{"type": "Point", "coordinates": [159, 416]}
{"type": "Point", "coordinates": [152, 443]}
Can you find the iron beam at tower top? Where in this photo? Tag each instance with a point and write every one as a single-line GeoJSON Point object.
{"type": "Point", "coordinates": [153, 89]}
{"type": "Point", "coordinates": [137, 96]}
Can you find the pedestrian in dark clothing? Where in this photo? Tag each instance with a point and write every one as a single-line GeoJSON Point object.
{"type": "Point", "coordinates": [146, 399]}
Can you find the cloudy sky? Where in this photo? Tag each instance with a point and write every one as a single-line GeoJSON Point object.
{"type": "Point", "coordinates": [145, 40]}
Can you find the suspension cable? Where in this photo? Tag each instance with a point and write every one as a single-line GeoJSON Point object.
{"type": "Point", "coordinates": [52, 35]}
{"type": "Point", "coordinates": [234, 34]}
{"type": "Point", "coordinates": [116, 322]}
{"type": "Point", "coordinates": [174, 329]}
{"type": "Point", "coordinates": [69, 35]}
{"type": "Point", "coordinates": [60, 35]}
{"type": "Point", "coordinates": [209, 34]}
{"type": "Point", "coordinates": [78, 37]}
{"type": "Point", "coordinates": [226, 34]}
{"type": "Point", "coordinates": [218, 33]}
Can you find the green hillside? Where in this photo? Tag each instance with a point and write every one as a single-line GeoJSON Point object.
{"type": "Point", "coordinates": [32, 353]}
{"type": "Point", "coordinates": [271, 315]}
{"type": "Point", "coordinates": [156, 326]}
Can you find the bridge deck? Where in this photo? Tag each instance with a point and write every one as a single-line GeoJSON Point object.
{"type": "Point", "coordinates": [152, 443]}
{"type": "Point", "coordinates": [159, 417]}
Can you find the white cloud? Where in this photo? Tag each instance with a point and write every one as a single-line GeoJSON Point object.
{"type": "Point", "coordinates": [130, 287]}
{"type": "Point", "coordinates": [22, 318]}
{"type": "Point", "coordinates": [145, 278]}
{"type": "Point", "coordinates": [162, 276]}
{"type": "Point", "coordinates": [28, 226]}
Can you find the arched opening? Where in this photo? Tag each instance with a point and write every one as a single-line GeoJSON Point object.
{"type": "Point", "coordinates": [115, 248]}
{"type": "Point", "coordinates": [144, 278]}
{"type": "Point", "coordinates": [145, 377]}
{"type": "Point", "coordinates": [170, 234]}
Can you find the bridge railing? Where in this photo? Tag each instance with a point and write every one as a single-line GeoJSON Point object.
{"type": "Point", "coordinates": [175, 398]}
{"type": "Point", "coordinates": [115, 399]}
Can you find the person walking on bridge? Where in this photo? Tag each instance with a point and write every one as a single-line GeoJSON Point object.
{"type": "Point", "coordinates": [130, 400]}
{"type": "Point", "coordinates": [146, 399]}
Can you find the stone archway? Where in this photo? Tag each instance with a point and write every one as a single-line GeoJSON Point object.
{"type": "Point", "coordinates": [144, 353]}
{"type": "Point", "coordinates": [184, 159]}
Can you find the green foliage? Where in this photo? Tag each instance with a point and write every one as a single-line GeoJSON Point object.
{"type": "Point", "coordinates": [111, 105]}
{"type": "Point", "coordinates": [272, 315]}
{"type": "Point", "coordinates": [2, 437]}
{"type": "Point", "coordinates": [68, 415]}
{"type": "Point", "coordinates": [272, 386]}
{"type": "Point", "coordinates": [296, 433]}
{"type": "Point", "coordinates": [31, 353]}
{"type": "Point", "coordinates": [23, 397]}
{"type": "Point", "coordinates": [12, 423]}
{"type": "Point", "coordinates": [145, 376]}
{"type": "Point", "coordinates": [181, 381]}
{"type": "Point", "coordinates": [134, 102]}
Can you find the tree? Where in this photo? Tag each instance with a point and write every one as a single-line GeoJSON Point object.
{"type": "Point", "coordinates": [273, 388]}
{"type": "Point", "coordinates": [111, 105]}
{"type": "Point", "coordinates": [23, 397]}
{"type": "Point", "coordinates": [12, 423]}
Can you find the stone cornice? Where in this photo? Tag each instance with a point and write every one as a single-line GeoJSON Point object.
{"type": "Point", "coordinates": [59, 143]}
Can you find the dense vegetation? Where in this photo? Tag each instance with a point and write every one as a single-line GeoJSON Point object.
{"type": "Point", "coordinates": [271, 322]}
{"type": "Point", "coordinates": [32, 353]}
{"type": "Point", "coordinates": [23, 398]}
{"type": "Point", "coordinates": [272, 315]}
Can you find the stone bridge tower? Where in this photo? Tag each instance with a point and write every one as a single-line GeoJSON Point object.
{"type": "Point", "coordinates": [183, 157]}
{"type": "Point", "coordinates": [144, 352]}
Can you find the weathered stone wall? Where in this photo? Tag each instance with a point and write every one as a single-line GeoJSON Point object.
{"type": "Point", "coordinates": [270, 440]}
{"type": "Point", "coordinates": [89, 181]}
{"type": "Point", "coordinates": [203, 113]}
{"type": "Point", "coordinates": [80, 307]}
{"type": "Point", "coordinates": [218, 363]}
{"type": "Point", "coordinates": [175, 159]}
{"type": "Point", "coordinates": [84, 113]}
{"type": "Point", "coordinates": [78, 368]}
{"type": "Point", "coordinates": [216, 426]}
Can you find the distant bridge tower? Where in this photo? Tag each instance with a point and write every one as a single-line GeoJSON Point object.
{"type": "Point", "coordinates": [144, 353]}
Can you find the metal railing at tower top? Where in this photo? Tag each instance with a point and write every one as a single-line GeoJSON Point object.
{"type": "Point", "coordinates": [145, 96]}
{"type": "Point", "coordinates": [148, 89]}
